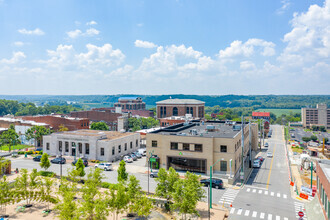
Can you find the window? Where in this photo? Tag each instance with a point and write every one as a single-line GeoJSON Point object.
{"type": "Point", "coordinates": [80, 148]}
{"type": "Point", "coordinates": [192, 111]}
{"type": "Point", "coordinates": [82, 124]}
{"type": "Point", "coordinates": [187, 110]}
{"type": "Point", "coordinates": [174, 146]}
{"type": "Point", "coordinates": [185, 146]}
{"type": "Point", "coordinates": [119, 149]}
{"type": "Point", "coordinates": [47, 146]}
{"type": "Point", "coordinates": [199, 147]}
{"type": "Point", "coordinates": [66, 146]}
{"type": "Point", "coordinates": [86, 148]}
{"type": "Point", "coordinates": [154, 143]}
{"type": "Point", "coordinates": [102, 151]}
{"type": "Point", "coordinates": [137, 142]}
{"type": "Point", "coordinates": [175, 111]}
{"type": "Point", "coordinates": [223, 148]}
{"type": "Point", "coordinates": [113, 150]}
{"type": "Point", "coordinates": [60, 146]}
{"type": "Point", "coordinates": [164, 111]}
{"type": "Point", "coordinates": [223, 165]}
{"type": "Point", "coordinates": [125, 146]}
{"type": "Point", "coordinates": [131, 145]}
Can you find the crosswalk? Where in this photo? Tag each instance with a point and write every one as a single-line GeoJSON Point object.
{"type": "Point", "coordinates": [266, 192]}
{"type": "Point", "coordinates": [229, 196]}
{"type": "Point", "coordinates": [255, 214]}
{"type": "Point", "coordinates": [298, 206]}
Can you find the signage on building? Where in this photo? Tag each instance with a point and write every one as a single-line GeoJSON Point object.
{"type": "Point", "coordinates": [241, 174]}
{"type": "Point", "coordinates": [306, 190]}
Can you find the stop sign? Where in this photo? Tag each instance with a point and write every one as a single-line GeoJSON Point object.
{"type": "Point", "coordinates": [301, 214]}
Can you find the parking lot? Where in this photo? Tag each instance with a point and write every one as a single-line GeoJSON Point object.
{"type": "Point", "coordinates": [299, 133]}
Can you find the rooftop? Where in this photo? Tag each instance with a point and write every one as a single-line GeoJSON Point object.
{"type": "Point", "coordinates": [105, 135]}
{"type": "Point", "coordinates": [261, 114]}
{"type": "Point", "coordinates": [13, 120]}
{"type": "Point", "coordinates": [128, 98]}
{"type": "Point", "coordinates": [200, 129]}
{"type": "Point", "coordinates": [325, 166]}
{"type": "Point", "coordinates": [180, 101]}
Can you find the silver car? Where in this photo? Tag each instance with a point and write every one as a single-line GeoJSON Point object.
{"type": "Point", "coordinates": [104, 166]}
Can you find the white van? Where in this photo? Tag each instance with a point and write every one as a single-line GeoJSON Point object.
{"type": "Point", "coordinates": [142, 151]}
{"type": "Point", "coordinates": [256, 163]}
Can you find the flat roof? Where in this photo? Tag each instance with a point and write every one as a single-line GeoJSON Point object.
{"type": "Point", "coordinates": [128, 98]}
{"type": "Point", "coordinates": [325, 166]}
{"type": "Point", "coordinates": [13, 120]}
{"type": "Point", "coordinates": [85, 132]}
{"type": "Point", "coordinates": [199, 129]}
{"type": "Point", "coordinates": [180, 101]}
{"type": "Point", "coordinates": [261, 114]}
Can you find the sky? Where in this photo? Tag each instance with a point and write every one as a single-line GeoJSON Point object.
{"type": "Point", "coordinates": [203, 47]}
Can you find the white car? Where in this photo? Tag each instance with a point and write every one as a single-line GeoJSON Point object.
{"type": "Point", "coordinates": [128, 159]}
{"type": "Point", "coordinates": [256, 163]}
{"type": "Point", "coordinates": [266, 145]}
{"type": "Point", "coordinates": [104, 166]}
{"type": "Point", "coordinates": [269, 154]}
{"type": "Point", "coordinates": [142, 151]}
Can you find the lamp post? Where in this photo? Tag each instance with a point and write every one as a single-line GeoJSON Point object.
{"type": "Point", "coordinates": [211, 170]}
{"type": "Point", "coordinates": [311, 174]}
{"type": "Point", "coordinates": [150, 155]}
{"type": "Point", "coordinates": [61, 166]}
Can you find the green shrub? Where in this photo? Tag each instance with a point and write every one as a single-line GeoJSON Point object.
{"type": "Point", "coordinates": [21, 152]}
{"type": "Point", "coordinates": [109, 185]}
{"type": "Point", "coordinates": [46, 173]}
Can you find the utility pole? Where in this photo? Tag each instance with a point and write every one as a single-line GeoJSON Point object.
{"type": "Point", "coordinates": [242, 144]}
{"type": "Point", "coordinates": [311, 174]}
{"type": "Point", "coordinates": [263, 132]}
{"type": "Point", "coordinates": [250, 140]}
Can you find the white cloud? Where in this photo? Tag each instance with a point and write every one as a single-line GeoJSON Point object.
{"type": "Point", "coordinates": [18, 44]}
{"type": "Point", "coordinates": [285, 6]}
{"type": "Point", "coordinates": [16, 58]}
{"type": "Point", "coordinates": [247, 65]}
{"type": "Point", "coordinates": [247, 49]}
{"type": "Point", "coordinates": [121, 72]}
{"type": "Point", "coordinates": [144, 44]}
{"type": "Point", "coordinates": [78, 33]}
{"type": "Point", "coordinates": [36, 31]}
{"type": "Point", "coordinates": [91, 23]}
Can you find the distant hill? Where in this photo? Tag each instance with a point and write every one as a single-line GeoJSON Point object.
{"type": "Point", "coordinates": [256, 101]}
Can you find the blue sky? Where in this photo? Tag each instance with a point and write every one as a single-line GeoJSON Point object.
{"type": "Point", "coordinates": [163, 47]}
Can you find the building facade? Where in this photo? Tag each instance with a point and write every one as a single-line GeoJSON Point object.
{"type": "Point", "coordinates": [319, 116]}
{"type": "Point", "coordinates": [323, 185]}
{"type": "Point", "coordinates": [54, 121]}
{"type": "Point", "coordinates": [180, 107]}
{"type": "Point", "coordinates": [91, 144]}
{"type": "Point", "coordinates": [261, 115]}
{"type": "Point", "coordinates": [197, 146]}
{"type": "Point", "coordinates": [131, 103]}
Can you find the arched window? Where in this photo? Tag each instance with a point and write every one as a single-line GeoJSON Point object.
{"type": "Point", "coordinates": [161, 111]}
{"type": "Point", "coordinates": [175, 111]}
{"type": "Point", "coordinates": [191, 111]}
{"type": "Point", "coordinates": [187, 110]}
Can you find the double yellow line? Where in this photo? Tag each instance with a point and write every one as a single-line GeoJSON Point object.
{"type": "Point", "coordinates": [270, 169]}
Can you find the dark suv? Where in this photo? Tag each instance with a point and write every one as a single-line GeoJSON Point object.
{"type": "Point", "coordinates": [58, 160]}
{"type": "Point", "coordinates": [85, 161]}
{"type": "Point", "coordinates": [216, 183]}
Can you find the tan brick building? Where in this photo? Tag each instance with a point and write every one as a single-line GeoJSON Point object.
{"type": "Point", "coordinates": [323, 185]}
{"type": "Point", "coordinates": [131, 103]}
{"type": "Point", "coordinates": [197, 146]}
{"type": "Point", "coordinates": [319, 116]}
{"type": "Point", "coordinates": [180, 107]}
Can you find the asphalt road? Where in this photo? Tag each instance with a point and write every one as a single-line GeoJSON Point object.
{"type": "Point", "coordinates": [266, 195]}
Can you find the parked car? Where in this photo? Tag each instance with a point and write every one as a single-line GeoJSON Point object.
{"type": "Point", "coordinates": [104, 166]}
{"type": "Point", "coordinates": [143, 151]}
{"type": "Point", "coordinates": [260, 158]}
{"type": "Point", "coordinates": [59, 160]}
{"type": "Point", "coordinates": [267, 145]}
{"type": "Point", "coordinates": [38, 150]}
{"type": "Point", "coordinates": [37, 158]}
{"type": "Point", "coordinates": [154, 174]}
{"type": "Point", "coordinates": [256, 163]}
{"type": "Point", "coordinates": [269, 154]}
{"type": "Point", "coordinates": [128, 159]}
{"type": "Point", "coordinates": [137, 154]}
{"type": "Point", "coordinates": [85, 161]}
{"type": "Point", "coordinates": [133, 156]}
{"type": "Point", "coordinates": [216, 183]}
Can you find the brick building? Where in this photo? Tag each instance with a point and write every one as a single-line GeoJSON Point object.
{"type": "Point", "coordinates": [319, 116]}
{"type": "Point", "coordinates": [180, 107]}
{"type": "Point", "coordinates": [140, 113]}
{"type": "Point", "coordinates": [54, 121]}
{"type": "Point", "coordinates": [323, 185]}
{"type": "Point", "coordinates": [131, 103]}
{"type": "Point", "coordinates": [261, 115]}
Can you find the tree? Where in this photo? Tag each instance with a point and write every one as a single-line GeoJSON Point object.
{"type": "Point", "coordinates": [36, 132]}
{"type": "Point", "coordinates": [10, 137]}
{"type": "Point", "coordinates": [306, 139]}
{"type": "Point", "coordinates": [313, 138]}
{"type": "Point", "coordinates": [165, 183]}
{"type": "Point", "coordinates": [47, 191]}
{"type": "Point", "coordinates": [6, 194]}
{"type": "Point", "coordinates": [133, 190]}
{"type": "Point", "coordinates": [187, 193]}
{"type": "Point", "coordinates": [62, 128]}
{"type": "Point", "coordinates": [118, 200]}
{"type": "Point", "coordinates": [322, 128]}
{"type": "Point", "coordinates": [80, 167]}
{"type": "Point", "coordinates": [142, 206]}
{"type": "Point", "coordinates": [26, 185]}
{"type": "Point", "coordinates": [44, 161]}
{"type": "Point", "coordinates": [122, 174]}
{"type": "Point", "coordinates": [99, 126]}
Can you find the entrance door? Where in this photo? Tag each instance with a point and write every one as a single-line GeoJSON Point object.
{"type": "Point", "coordinates": [73, 151]}
{"type": "Point", "coordinates": [223, 166]}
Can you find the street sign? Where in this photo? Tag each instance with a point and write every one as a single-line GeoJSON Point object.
{"type": "Point", "coordinates": [152, 159]}
{"type": "Point", "coordinates": [301, 214]}
{"type": "Point", "coordinates": [242, 175]}
{"type": "Point", "coordinates": [180, 153]}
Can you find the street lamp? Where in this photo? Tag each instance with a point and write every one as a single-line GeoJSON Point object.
{"type": "Point", "coordinates": [211, 169]}
{"type": "Point", "coordinates": [150, 155]}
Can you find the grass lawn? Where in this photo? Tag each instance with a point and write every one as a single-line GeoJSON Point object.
{"type": "Point", "coordinates": [279, 112]}
{"type": "Point", "coordinates": [18, 146]}
{"type": "Point", "coordinates": [298, 150]}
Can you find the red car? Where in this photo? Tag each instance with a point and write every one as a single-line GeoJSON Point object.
{"type": "Point", "coordinates": [260, 158]}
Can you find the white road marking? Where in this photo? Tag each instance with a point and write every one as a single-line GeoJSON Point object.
{"type": "Point", "coordinates": [285, 218]}
{"type": "Point", "coordinates": [278, 194]}
{"type": "Point", "coordinates": [285, 196]}
{"type": "Point", "coordinates": [266, 192]}
{"type": "Point", "coordinates": [232, 210]}
{"type": "Point", "coordinates": [247, 212]}
{"type": "Point", "coordinates": [239, 212]}
{"type": "Point", "coordinates": [248, 189]}
{"type": "Point", "coordinates": [272, 193]}
{"type": "Point", "coordinates": [260, 191]}
{"type": "Point", "coordinates": [270, 216]}
{"type": "Point", "coordinates": [254, 214]}
{"type": "Point", "coordinates": [254, 190]}
{"type": "Point", "coordinates": [278, 217]}
{"type": "Point", "coordinates": [262, 215]}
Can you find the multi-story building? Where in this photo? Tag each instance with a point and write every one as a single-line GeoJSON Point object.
{"type": "Point", "coordinates": [261, 115]}
{"type": "Point", "coordinates": [196, 146]}
{"type": "Point", "coordinates": [180, 107]}
{"type": "Point", "coordinates": [91, 144]}
{"type": "Point", "coordinates": [319, 116]}
{"type": "Point", "coordinates": [54, 121]}
{"type": "Point", "coordinates": [131, 103]}
{"type": "Point", "coordinates": [323, 185]}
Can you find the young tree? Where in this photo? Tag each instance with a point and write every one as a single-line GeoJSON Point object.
{"type": "Point", "coordinates": [122, 174]}
{"type": "Point", "coordinates": [142, 206]}
{"type": "Point", "coordinates": [313, 138]}
{"type": "Point", "coordinates": [118, 200]}
{"type": "Point", "coordinates": [306, 139]}
{"type": "Point", "coordinates": [134, 191]}
{"type": "Point", "coordinates": [10, 137]}
{"type": "Point", "coordinates": [6, 194]}
{"type": "Point", "coordinates": [99, 126]}
{"type": "Point", "coordinates": [26, 185]}
{"type": "Point", "coordinates": [166, 181]}
{"type": "Point", "coordinates": [47, 191]}
{"type": "Point", "coordinates": [44, 161]}
{"type": "Point", "coordinates": [187, 193]}
{"type": "Point", "coordinates": [80, 167]}
{"type": "Point", "coordinates": [36, 132]}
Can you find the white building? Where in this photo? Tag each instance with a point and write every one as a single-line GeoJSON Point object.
{"type": "Point", "coordinates": [91, 144]}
